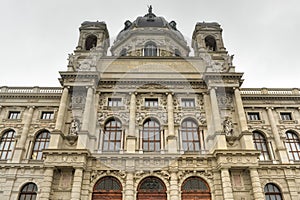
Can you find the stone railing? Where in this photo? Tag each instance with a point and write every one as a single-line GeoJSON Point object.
{"type": "Point", "coordinates": [24, 90]}
{"type": "Point", "coordinates": [270, 91]}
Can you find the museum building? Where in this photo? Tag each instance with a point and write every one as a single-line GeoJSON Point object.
{"type": "Point", "coordinates": [148, 121]}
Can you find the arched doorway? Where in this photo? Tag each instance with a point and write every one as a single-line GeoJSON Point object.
{"type": "Point", "coordinates": [195, 188]}
{"type": "Point", "coordinates": [107, 188]}
{"type": "Point", "coordinates": [151, 188]}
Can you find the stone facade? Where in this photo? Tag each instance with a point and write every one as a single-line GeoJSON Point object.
{"type": "Point", "coordinates": [150, 122]}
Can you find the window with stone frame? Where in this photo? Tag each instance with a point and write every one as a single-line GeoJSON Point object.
{"type": "Point", "coordinates": [151, 102]}
{"type": "Point", "coordinates": [292, 144]}
{"type": "Point", "coordinates": [286, 116]}
{"type": "Point", "coordinates": [253, 116]}
{"type": "Point", "coordinates": [260, 144]}
{"type": "Point", "coordinates": [115, 102]}
{"type": "Point", "coordinates": [107, 187]}
{"type": "Point", "coordinates": [14, 115]}
{"type": "Point", "coordinates": [28, 192]}
{"type": "Point", "coordinates": [48, 115]}
{"type": "Point", "coordinates": [188, 102]}
{"type": "Point", "coordinates": [151, 136]}
{"type": "Point", "coordinates": [190, 136]}
{"type": "Point", "coordinates": [7, 144]}
{"type": "Point", "coordinates": [112, 135]}
{"type": "Point", "coordinates": [272, 192]}
{"type": "Point", "coordinates": [41, 142]}
{"type": "Point", "coordinates": [150, 49]}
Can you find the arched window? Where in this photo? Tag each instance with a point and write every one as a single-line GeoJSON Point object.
{"type": "Point", "coordinates": [195, 188]}
{"type": "Point", "coordinates": [28, 191]}
{"type": "Point", "coordinates": [151, 188]}
{"type": "Point", "coordinates": [292, 145]}
{"type": "Point", "coordinates": [112, 135]}
{"type": "Point", "coordinates": [90, 42]}
{"type": "Point", "coordinates": [261, 145]}
{"type": "Point", "coordinates": [123, 52]}
{"type": "Point", "coordinates": [150, 49]}
{"type": "Point", "coordinates": [151, 135]}
{"type": "Point", "coordinates": [7, 144]}
{"type": "Point", "coordinates": [190, 136]}
{"type": "Point", "coordinates": [107, 188]}
{"type": "Point", "coordinates": [41, 142]}
{"type": "Point", "coordinates": [272, 192]}
{"type": "Point", "coordinates": [210, 43]}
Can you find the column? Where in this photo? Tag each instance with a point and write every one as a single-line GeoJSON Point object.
{"type": "Point", "coordinates": [246, 136]}
{"type": "Point", "coordinates": [129, 187]}
{"type": "Point", "coordinates": [219, 138]}
{"type": "Point", "coordinates": [226, 184]}
{"type": "Point", "coordinates": [87, 109]}
{"type": "Point", "coordinates": [83, 135]}
{"type": "Point", "coordinates": [209, 121]}
{"type": "Point", "coordinates": [46, 184]}
{"type": "Point", "coordinates": [256, 185]}
{"type": "Point", "coordinates": [279, 144]}
{"type": "Point", "coordinates": [56, 135]}
{"type": "Point", "coordinates": [174, 189]}
{"type": "Point", "coordinates": [62, 109]}
{"type": "Point", "coordinates": [77, 183]}
{"type": "Point", "coordinates": [292, 185]}
{"type": "Point", "coordinates": [131, 138]}
{"type": "Point", "coordinates": [20, 147]}
{"type": "Point", "coordinates": [172, 147]}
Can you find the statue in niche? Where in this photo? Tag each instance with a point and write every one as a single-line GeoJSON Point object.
{"type": "Point", "coordinates": [75, 125]}
{"type": "Point", "coordinates": [228, 126]}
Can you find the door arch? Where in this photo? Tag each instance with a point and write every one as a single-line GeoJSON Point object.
{"type": "Point", "coordinates": [151, 188]}
{"type": "Point", "coordinates": [194, 188]}
{"type": "Point", "coordinates": [107, 187]}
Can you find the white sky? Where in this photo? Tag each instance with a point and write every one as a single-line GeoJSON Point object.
{"type": "Point", "coordinates": [37, 35]}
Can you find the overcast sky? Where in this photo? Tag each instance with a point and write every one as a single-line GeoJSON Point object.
{"type": "Point", "coordinates": [37, 35]}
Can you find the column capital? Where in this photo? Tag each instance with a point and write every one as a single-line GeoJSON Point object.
{"type": "Point", "coordinates": [270, 108]}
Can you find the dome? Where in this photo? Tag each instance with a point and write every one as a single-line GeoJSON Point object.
{"type": "Point", "coordinates": [147, 21]}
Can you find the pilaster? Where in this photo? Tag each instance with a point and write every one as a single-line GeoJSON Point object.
{"type": "Point", "coordinates": [174, 189]}
{"type": "Point", "coordinates": [256, 185]}
{"type": "Point", "coordinates": [131, 138]}
{"type": "Point", "coordinates": [172, 147]}
{"type": "Point", "coordinates": [77, 184]}
{"type": "Point", "coordinates": [20, 147]}
{"type": "Point", "coordinates": [129, 186]}
{"type": "Point", "coordinates": [279, 144]}
{"type": "Point", "coordinates": [226, 184]}
{"type": "Point", "coordinates": [46, 185]}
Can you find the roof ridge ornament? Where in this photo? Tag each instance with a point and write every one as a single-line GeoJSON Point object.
{"type": "Point", "coordinates": [150, 9]}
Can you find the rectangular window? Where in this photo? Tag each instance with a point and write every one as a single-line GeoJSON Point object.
{"type": "Point", "coordinates": [14, 115]}
{"type": "Point", "coordinates": [115, 102]}
{"type": "Point", "coordinates": [188, 103]}
{"type": "Point", "coordinates": [253, 116]}
{"type": "Point", "coordinates": [47, 115]}
{"type": "Point", "coordinates": [286, 116]}
{"type": "Point", "coordinates": [151, 102]}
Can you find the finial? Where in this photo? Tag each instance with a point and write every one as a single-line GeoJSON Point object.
{"type": "Point", "coordinates": [150, 9]}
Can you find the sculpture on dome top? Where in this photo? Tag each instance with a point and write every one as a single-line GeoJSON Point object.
{"type": "Point", "coordinates": [150, 9]}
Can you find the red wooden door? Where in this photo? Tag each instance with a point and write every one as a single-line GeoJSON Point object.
{"type": "Point", "coordinates": [107, 188]}
{"type": "Point", "coordinates": [195, 188]}
{"type": "Point", "coordinates": [152, 196]}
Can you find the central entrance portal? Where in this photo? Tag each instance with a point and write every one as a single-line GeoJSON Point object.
{"type": "Point", "coordinates": [151, 188]}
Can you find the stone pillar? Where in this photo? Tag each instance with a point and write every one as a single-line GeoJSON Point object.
{"type": "Point", "coordinates": [87, 109]}
{"type": "Point", "coordinates": [77, 183]}
{"type": "Point", "coordinates": [46, 185]}
{"type": "Point", "coordinates": [131, 138]}
{"type": "Point", "coordinates": [171, 138]}
{"type": "Point", "coordinates": [129, 186]}
{"type": "Point", "coordinates": [83, 134]}
{"type": "Point", "coordinates": [20, 147]}
{"type": "Point", "coordinates": [292, 185]}
{"type": "Point", "coordinates": [279, 144]}
{"type": "Point", "coordinates": [219, 137]}
{"type": "Point", "coordinates": [56, 135]}
{"type": "Point", "coordinates": [246, 135]}
{"type": "Point", "coordinates": [226, 184]}
{"type": "Point", "coordinates": [209, 121]}
{"type": "Point", "coordinates": [256, 185]}
{"type": "Point", "coordinates": [174, 189]}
